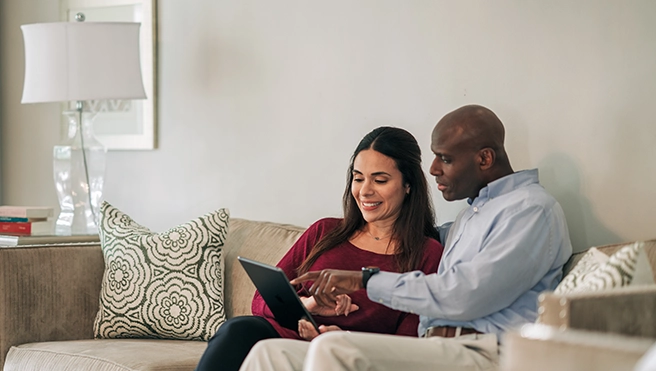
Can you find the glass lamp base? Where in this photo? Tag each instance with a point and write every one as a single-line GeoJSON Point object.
{"type": "Point", "coordinates": [79, 174]}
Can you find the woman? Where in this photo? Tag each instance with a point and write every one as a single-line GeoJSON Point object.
{"type": "Point", "coordinates": [388, 223]}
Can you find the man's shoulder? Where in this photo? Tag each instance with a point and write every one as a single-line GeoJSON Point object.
{"type": "Point", "coordinates": [519, 188]}
{"type": "Point", "coordinates": [522, 201]}
{"type": "Point", "coordinates": [531, 195]}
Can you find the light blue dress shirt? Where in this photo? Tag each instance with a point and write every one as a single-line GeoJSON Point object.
{"type": "Point", "coordinates": [503, 250]}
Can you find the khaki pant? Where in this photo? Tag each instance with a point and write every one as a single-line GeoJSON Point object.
{"type": "Point", "coordinates": [341, 350]}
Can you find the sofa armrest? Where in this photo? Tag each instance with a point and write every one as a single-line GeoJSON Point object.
{"type": "Point", "coordinates": [48, 293]}
{"type": "Point", "coordinates": [626, 311]}
{"type": "Point", "coordinates": [546, 348]}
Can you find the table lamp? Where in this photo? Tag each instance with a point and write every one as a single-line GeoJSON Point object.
{"type": "Point", "coordinates": [77, 62]}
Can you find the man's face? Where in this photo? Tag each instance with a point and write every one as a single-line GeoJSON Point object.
{"type": "Point", "coordinates": [455, 166]}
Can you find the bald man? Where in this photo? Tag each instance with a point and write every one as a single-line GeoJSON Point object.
{"type": "Point", "coordinates": [506, 247]}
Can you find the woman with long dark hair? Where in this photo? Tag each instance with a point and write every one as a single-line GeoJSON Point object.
{"type": "Point", "coordinates": [388, 223]}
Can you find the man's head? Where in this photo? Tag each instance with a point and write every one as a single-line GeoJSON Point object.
{"type": "Point", "coordinates": [469, 152]}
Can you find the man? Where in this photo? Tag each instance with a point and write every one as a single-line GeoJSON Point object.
{"type": "Point", "coordinates": [506, 247]}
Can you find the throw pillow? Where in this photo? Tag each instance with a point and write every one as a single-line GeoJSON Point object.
{"type": "Point", "coordinates": [617, 271]}
{"type": "Point", "coordinates": [643, 274]}
{"type": "Point", "coordinates": [161, 285]}
{"type": "Point", "coordinates": [589, 263]}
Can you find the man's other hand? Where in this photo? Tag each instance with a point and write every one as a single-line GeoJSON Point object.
{"type": "Point", "coordinates": [329, 283]}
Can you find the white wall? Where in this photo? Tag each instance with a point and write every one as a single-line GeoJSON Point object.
{"type": "Point", "coordinates": [261, 104]}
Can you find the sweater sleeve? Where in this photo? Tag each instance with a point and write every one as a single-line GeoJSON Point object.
{"type": "Point", "coordinates": [408, 325]}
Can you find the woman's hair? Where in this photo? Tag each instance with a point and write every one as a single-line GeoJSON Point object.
{"type": "Point", "coordinates": [416, 220]}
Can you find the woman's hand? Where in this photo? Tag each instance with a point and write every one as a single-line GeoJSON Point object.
{"type": "Point", "coordinates": [308, 332]}
{"type": "Point", "coordinates": [343, 306]}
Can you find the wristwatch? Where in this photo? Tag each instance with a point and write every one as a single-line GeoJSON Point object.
{"type": "Point", "coordinates": [367, 272]}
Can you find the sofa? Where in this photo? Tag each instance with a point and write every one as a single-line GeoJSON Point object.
{"type": "Point", "coordinates": [49, 298]}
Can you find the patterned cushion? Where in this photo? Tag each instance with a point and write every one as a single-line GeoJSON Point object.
{"type": "Point", "coordinates": [589, 263]}
{"type": "Point", "coordinates": [592, 273]}
{"type": "Point", "coordinates": [161, 285]}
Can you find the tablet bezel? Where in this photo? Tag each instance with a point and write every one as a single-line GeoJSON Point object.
{"type": "Point", "coordinates": [281, 297]}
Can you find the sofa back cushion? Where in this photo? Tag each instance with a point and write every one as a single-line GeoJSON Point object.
{"type": "Point", "coordinates": [262, 241]}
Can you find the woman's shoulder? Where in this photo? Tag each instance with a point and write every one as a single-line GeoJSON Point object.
{"type": "Point", "coordinates": [326, 223]}
{"type": "Point", "coordinates": [322, 226]}
{"type": "Point", "coordinates": [433, 246]}
{"type": "Point", "coordinates": [432, 255]}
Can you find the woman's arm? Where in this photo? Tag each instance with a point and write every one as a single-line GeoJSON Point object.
{"type": "Point", "coordinates": [408, 325]}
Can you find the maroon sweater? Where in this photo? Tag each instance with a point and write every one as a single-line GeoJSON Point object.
{"type": "Point", "coordinates": [371, 317]}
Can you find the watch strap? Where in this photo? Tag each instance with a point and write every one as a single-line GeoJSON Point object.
{"type": "Point", "coordinates": [367, 272]}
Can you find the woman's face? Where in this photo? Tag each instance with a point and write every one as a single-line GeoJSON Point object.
{"type": "Point", "coordinates": [377, 186]}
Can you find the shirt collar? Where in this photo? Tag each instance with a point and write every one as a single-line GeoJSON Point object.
{"type": "Point", "coordinates": [506, 184]}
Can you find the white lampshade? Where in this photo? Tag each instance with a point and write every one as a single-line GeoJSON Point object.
{"type": "Point", "coordinates": [77, 61]}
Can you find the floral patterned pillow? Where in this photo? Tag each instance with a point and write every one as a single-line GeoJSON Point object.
{"type": "Point", "coordinates": [161, 285]}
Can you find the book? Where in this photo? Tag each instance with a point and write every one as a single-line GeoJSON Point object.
{"type": "Point", "coordinates": [26, 228]}
{"type": "Point", "coordinates": [14, 219]}
{"type": "Point", "coordinates": [15, 240]}
{"type": "Point", "coordinates": [26, 211]}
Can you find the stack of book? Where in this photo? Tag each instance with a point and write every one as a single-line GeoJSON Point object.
{"type": "Point", "coordinates": [26, 220]}
{"type": "Point", "coordinates": [32, 225]}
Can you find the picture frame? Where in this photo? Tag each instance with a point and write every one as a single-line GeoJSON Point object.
{"type": "Point", "coordinates": [124, 124]}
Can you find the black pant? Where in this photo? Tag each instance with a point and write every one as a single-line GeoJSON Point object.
{"type": "Point", "coordinates": [228, 348]}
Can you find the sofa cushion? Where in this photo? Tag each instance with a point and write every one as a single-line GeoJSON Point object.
{"type": "Point", "coordinates": [106, 355]}
{"type": "Point", "coordinates": [161, 285]}
{"type": "Point", "coordinates": [265, 242]}
{"type": "Point", "coordinates": [595, 272]}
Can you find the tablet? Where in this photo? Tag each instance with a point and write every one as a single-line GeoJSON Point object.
{"type": "Point", "coordinates": [278, 293]}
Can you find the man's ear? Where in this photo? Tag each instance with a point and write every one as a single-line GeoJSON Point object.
{"type": "Point", "coordinates": [486, 158]}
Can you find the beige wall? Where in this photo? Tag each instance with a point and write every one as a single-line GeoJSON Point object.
{"type": "Point", "coordinates": [262, 102]}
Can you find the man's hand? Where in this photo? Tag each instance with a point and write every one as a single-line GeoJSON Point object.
{"type": "Point", "coordinates": [329, 283]}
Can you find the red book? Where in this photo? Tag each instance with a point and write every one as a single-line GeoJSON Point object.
{"type": "Point", "coordinates": [25, 228]}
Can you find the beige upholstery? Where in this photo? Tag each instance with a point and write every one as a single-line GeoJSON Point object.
{"type": "Point", "coordinates": [605, 330]}
{"type": "Point", "coordinates": [627, 311]}
{"type": "Point", "coordinates": [50, 294]}
{"type": "Point", "coordinates": [545, 348]}
{"type": "Point", "coordinates": [49, 299]}
{"type": "Point", "coordinates": [261, 241]}
{"type": "Point", "coordinates": [106, 355]}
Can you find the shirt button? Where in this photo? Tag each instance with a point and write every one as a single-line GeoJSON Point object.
{"type": "Point", "coordinates": [475, 209]}
{"type": "Point", "coordinates": [380, 300]}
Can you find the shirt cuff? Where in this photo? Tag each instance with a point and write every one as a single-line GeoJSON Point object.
{"type": "Point", "coordinates": [380, 287]}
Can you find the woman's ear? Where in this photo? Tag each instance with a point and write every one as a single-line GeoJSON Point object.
{"type": "Point", "coordinates": [407, 189]}
{"type": "Point", "coordinates": [486, 158]}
